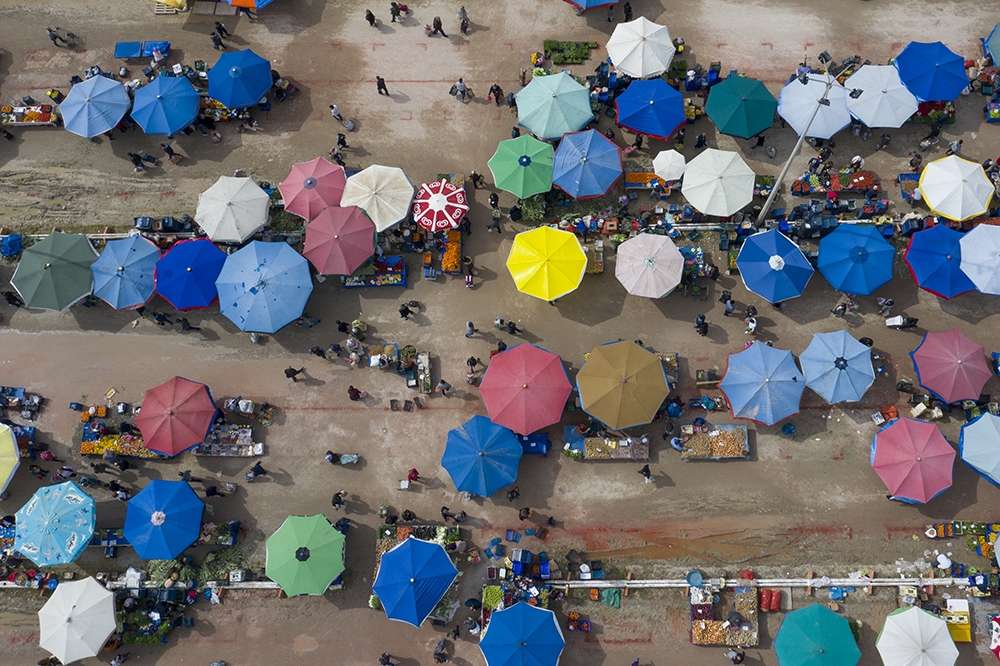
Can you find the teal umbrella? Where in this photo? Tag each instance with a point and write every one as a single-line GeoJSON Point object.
{"type": "Point", "coordinates": [54, 273]}
{"type": "Point", "coordinates": [741, 107]}
{"type": "Point", "coordinates": [522, 166]}
{"type": "Point", "coordinates": [816, 636]}
{"type": "Point", "coordinates": [550, 106]}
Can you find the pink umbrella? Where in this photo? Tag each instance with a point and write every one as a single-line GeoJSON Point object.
{"type": "Point", "coordinates": [339, 240]}
{"type": "Point", "coordinates": [525, 389]}
{"type": "Point", "coordinates": [439, 205]}
{"type": "Point", "coordinates": [913, 459]}
{"type": "Point", "coordinates": [951, 366]}
{"type": "Point", "coordinates": [312, 186]}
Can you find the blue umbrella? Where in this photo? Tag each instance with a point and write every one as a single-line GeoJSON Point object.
{"type": "Point", "coordinates": [651, 107]}
{"type": "Point", "coordinates": [932, 71]}
{"type": "Point", "coordinates": [94, 106]}
{"type": "Point", "coordinates": [239, 79]}
{"type": "Point", "coordinates": [838, 367]}
{"type": "Point", "coordinates": [163, 520]}
{"type": "Point", "coordinates": [979, 446]}
{"type": "Point", "coordinates": [55, 525]}
{"type": "Point", "coordinates": [763, 384]}
{"type": "Point", "coordinates": [123, 274]}
{"type": "Point", "coordinates": [522, 635]}
{"type": "Point", "coordinates": [186, 275]}
{"type": "Point", "coordinates": [991, 45]}
{"type": "Point", "coordinates": [856, 259]}
{"type": "Point", "coordinates": [412, 578]}
{"type": "Point", "coordinates": [773, 267]}
{"type": "Point", "coordinates": [586, 164]}
{"type": "Point", "coordinates": [481, 457]}
{"type": "Point", "coordinates": [166, 105]}
{"type": "Point", "coordinates": [584, 5]}
{"type": "Point", "coordinates": [935, 259]}
{"type": "Point", "coordinates": [264, 286]}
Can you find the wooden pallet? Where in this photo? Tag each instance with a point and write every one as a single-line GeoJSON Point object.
{"type": "Point", "coordinates": [164, 9]}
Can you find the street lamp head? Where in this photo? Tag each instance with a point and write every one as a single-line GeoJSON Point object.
{"type": "Point", "coordinates": [856, 93]}
{"type": "Point", "coordinates": [825, 57]}
{"type": "Point", "coordinates": [824, 101]}
{"type": "Point", "coordinates": [803, 78]}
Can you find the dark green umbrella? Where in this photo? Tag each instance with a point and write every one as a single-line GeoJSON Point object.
{"type": "Point", "coordinates": [741, 107]}
{"type": "Point", "coordinates": [54, 273]}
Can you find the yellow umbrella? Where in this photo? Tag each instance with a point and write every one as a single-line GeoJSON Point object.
{"type": "Point", "coordinates": [546, 263]}
{"type": "Point", "coordinates": [10, 457]}
{"type": "Point", "coordinates": [622, 385]}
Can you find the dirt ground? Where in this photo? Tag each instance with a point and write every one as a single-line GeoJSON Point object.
{"type": "Point", "coordinates": [804, 502]}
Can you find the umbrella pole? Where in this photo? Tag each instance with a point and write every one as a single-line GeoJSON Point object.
{"type": "Point", "coordinates": [795, 151]}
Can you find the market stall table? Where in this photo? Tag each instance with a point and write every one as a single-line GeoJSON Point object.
{"type": "Point", "coordinates": [606, 448]}
{"type": "Point", "coordinates": [424, 376]}
{"type": "Point", "coordinates": [595, 257]}
{"type": "Point", "coordinates": [40, 115]}
{"type": "Point", "coordinates": [727, 441]}
{"type": "Point", "coordinates": [230, 440]}
{"type": "Point", "coordinates": [840, 181]}
{"type": "Point", "coordinates": [218, 112]}
{"type": "Point", "coordinates": [510, 589]}
{"type": "Point", "coordinates": [451, 252]}
{"type": "Point", "coordinates": [707, 629]}
{"type": "Point", "coordinates": [387, 271]}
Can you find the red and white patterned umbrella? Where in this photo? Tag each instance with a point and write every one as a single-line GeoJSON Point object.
{"type": "Point", "coordinates": [439, 205]}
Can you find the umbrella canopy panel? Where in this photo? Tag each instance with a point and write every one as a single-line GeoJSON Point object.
{"type": "Point", "coordinates": [55, 525]}
{"type": "Point", "coordinates": [522, 635]}
{"type": "Point", "coordinates": [837, 367]}
{"type": "Point", "coordinates": [649, 265]}
{"type": "Point", "coordinates": [263, 287]}
{"type": "Point", "coordinates": [546, 263]}
{"type": "Point", "coordinates": [741, 107]}
{"type": "Point", "coordinates": [935, 259]}
{"type": "Point", "coordinates": [855, 259]}
{"type": "Point", "coordinates": [992, 43]}
{"type": "Point", "coordinates": [176, 416]}
{"type": "Point", "coordinates": [440, 205]}
{"type": "Point", "coordinates": [54, 273]}
{"type": "Point", "coordinates": [915, 637]}
{"type": "Point", "coordinates": [232, 210]}
{"type": "Point", "coordinates": [763, 384]}
{"type": "Point", "coordinates": [884, 100]}
{"type": "Point", "coordinates": [980, 250]}
{"type": "Point", "coordinates": [384, 193]}
{"type": "Point", "coordinates": [522, 166]}
{"type": "Point", "coordinates": [955, 188]}
{"type": "Point", "coordinates": [718, 182]}
{"type": "Point", "coordinates": [621, 384]}
{"type": "Point", "coordinates": [913, 459]}
{"type": "Point", "coordinates": [586, 164]}
{"type": "Point", "coordinates": [549, 106]}
{"type": "Point", "coordinates": [525, 388]}
{"type": "Point", "coordinates": [641, 48]}
{"type": "Point", "coordinates": [77, 620]}
{"type": "Point", "coordinates": [481, 457]}
{"type": "Point", "coordinates": [816, 636]}
{"type": "Point", "coordinates": [166, 105]}
{"type": "Point", "coordinates": [186, 274]}
{"type": "Point", "coordinates": [412, 578]}
{"type": "Point", "coordinates": [94, 107]}
{"type": "Point", "coordinates": [312, 186]}
{"type": "Point", "coordinates": [305, 555]}
{"type": "Point", "coordinates": [801, 107]}
{"type": "Point", "coordinates": [652, 108]}
{"type": "Point", "coordinates": [979, 446]}
{"type": "Point", "coordinates": [773, 267]}
{"type": "Point", "coordinates": [163, 519]}
{"type": "Point", "coordinates": [932, 71]}
{"type": "Point", "coordinates": [339, 240]}
{"type": "Point", "coordinates": [10, 455]}
{"type": "Point", "coordinates": [239, 79]}
{"type": "Point", "coordinates": [669, 165]}
{"type": "Point", "coordinates": [951, 366]}
{"type": "Point", "coordinates": [124, 274]}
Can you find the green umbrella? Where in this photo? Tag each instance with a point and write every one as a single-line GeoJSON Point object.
{"type": "Point", "coordinates": [54, 273]}
{"type": "Point", "coordinates": [816, 636]}
{"type": "Point", "coordinates": [305, 555]}
{"type": "Point", "coordinates": [522, 166]}
{"type": "Point", "coordinates": [741, 107]}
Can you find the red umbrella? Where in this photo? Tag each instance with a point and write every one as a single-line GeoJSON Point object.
{"type": "Point", "coordinates": [439, 205]}
{"type": "Point", "coordinates": [913, 459]}
{"type": "Point", "coordinates": [176, 416]}
{"type": "Point", "coordinates": [339, 240]}
{"type": "Point", "coordinates": [951, 366]}
{"type": "Point", "coordinates": [312, 186]}
{"type": "Point", "coordinates": [525, 388]}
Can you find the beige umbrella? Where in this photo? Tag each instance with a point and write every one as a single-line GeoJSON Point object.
{"type": "Point", "coordinates": [649, 265]}
{"type": "Point", "coordinates": [384, 193]}
{"type": "Point", "coordinates": [718, 182]}
{"type": "Point", "coordinates": [622, 385]}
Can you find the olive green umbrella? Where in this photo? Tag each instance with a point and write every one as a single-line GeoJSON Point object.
{"type": "Point", "coordinates": [305, 555]}
{"type": "Point", "coordinates": [54, 273]}
{"type": "Point", "coordinates": [522, 166]}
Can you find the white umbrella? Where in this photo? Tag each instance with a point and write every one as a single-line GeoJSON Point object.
{"type": "Point", "coordinates": [799, 102]}
{"type": "Point", "coordinates": [955, 188]}
{"type": "Point", "coordinates": [384, 193]}
{"type": "Point", "coordinates": [718, 182]}
{"type": "Point", "coordinates": [981, 257]}
{"type": "Point", "coordinates": [668, 165]}
{"type": "Point", "coordinates": [77, 620]}
{"type": "Point", "coordinates": [232, 210]}
{"type": "Point", "coordinates": [884, 100]}
{"type": "Point", "coordinates": [641, 48]}
{"type": "Point", "coordinates": [915, 637]}
{"type": "Point", "coordinates": [649, 265]}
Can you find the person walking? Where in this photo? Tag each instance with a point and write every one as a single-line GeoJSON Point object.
{"type": "Point", "coordinates": [355, 394]}
{"type": "Point", "coordinates": [646, 474]}
{"type": "Point", "coordinates": [255, 471]}
{"type": "Point", "coordinates": [885, 306]}
{"type": "Point", "coordinates": [338, 500]}
{"type": "Point", "coordinates": [171, 153]}
{"type": "Point", "coordinates": [245, 11]}
{"type": "Point", "coordinates": [318, 351]}
{"type": "Point", "coordinates": [384, 660]}
{"type": "Point", "coordinates": [439, 655]}
{"type": "Point", "coordinates": [54, 36]}
{"type": "Point", "coordinates": [840, 310]}
{"type": "Point", "coordinates": [413, 475]}
{"type": "Point", "coordinates": [292, 373]}
{"type": "Point", "coordinates": [513, 494]}
{"type": "Point", "coordinates": [883, 141]}
{"type": "Point", "coordinates": [472, 362]}
{"type": "Point", "coordinates": [186, 476]}
{"type": "Point", "coordinates": [380, 86]}
{"type": "Point", "coordinates": [221, 31]}
{"type": "Point", "coordinates": [443, 387]}
{"type": "Point", "coordinates": [627, 8]}
{"type": "Point", "coordinates": [495, 221]}
{"type": "Point", "coordinates": [446, 514]}
{"type": "Point", "coordinates": [217, 42]}
{"type": "Point", "coordinates": [186, 325]}
{"type": "Point", "coordinates": [405, 311]}
{"type": "Point", "coordinates": [700, 141]}
{"type": "Point", "coordinates": [335, 112]}
{"type": "Point", "coordinates": [494, 200]}
{"type": "Point", "coordinates": [496, 92]}
{"type": "Point", "coordinates": [759, 143]}
{"type": "Point", "coordinates": [342, 141]}
{"type": "Point", "coordinates": [213, 491]}
{"type": "Point", "coordinates": [954, 148]}
{"type": "Point", "coordinates": [460, 88]}
{"type": "Point", "coordinates": [370, 18]}
{"type": "Point", "coordinates": [524, 514]}
{"type": "Point", "coordinates": [394, 12]}
{"type": "Point", "coordinates": [470, 329]}
{"type": "Point", "coordinates": [751, 328]}
{"type": "Point", "coordinates": [439, 28]}
{"type": "Point", "coordinates": [512, 327]}
{"type": "Point", "coordinates": [611, 13]}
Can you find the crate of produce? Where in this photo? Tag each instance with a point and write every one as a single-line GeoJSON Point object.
{"type": "Point", "coordinates": [708, 632]}
{"type": "Point", "coordinates": [701, 612]}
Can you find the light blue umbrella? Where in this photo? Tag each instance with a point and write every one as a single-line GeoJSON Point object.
{"type": "Point", "coordinates": [166, 105]}
{"type": "Point", "coordinates": [979, 445]}
{"type": "Point", "coordinates": [549, 106]}
{"type": "Point", "coordinates": [991, 45]}
{"type": "Point", "coordinates": [55, 525]}
{"type": "Point", "coordinates": [584, 5]}
{"type": "Point", "coordinates": [586, 164]}
{"type": "Point", "coordinates": [264, 286]}
{"type": "Point", "coordinates": [651, 107]}
{"type": "Point", "coordinates": [856, 259]}
{"type": "Point", "coordinates": [837, 367]}
{"type": "Point", "coordinates": [932, 71]}
{"type": "Point", "coordinates": [773, 267]}
{"type": "Point", "coordinates": [94, 106]}
{"type": "Point", "coordinates": [163, 519]}
{"type": "Point", "coordinates": [124, 274]}
{"type": "Point", "coordinates": [412, 578]}
{"type": "Point", "coordinates": [763, 384]}
{"type": "Point", "coordinates": [481, 457]}
{"type": "Point", "coordinates": [522, 635]}
{"type": "Point", "coordinates": [239, 79]}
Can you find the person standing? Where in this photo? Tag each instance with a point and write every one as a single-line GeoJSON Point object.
{"type": "Point", "coordinates": [384, 660]}
{"type": "Point", "coordinates": [954, 148]}
{"type": "Point", "coordinates": [12, 299]}
{"type": "Point", "coordinates": [370, 18]}
{"type": "Point", "coordinates": [380, 86]}
{"type": "Point", "coordinates": [405, 311]}
{"type": "Point", "coordinates": [472, 362]}
{"type": "Point", "coordinates": [355, 394]}
{"type": "Point", "coordinates": [497, 93]}
{"type": "Point", "coordinates": [494, 200]}
{"type": "Point", "coordinates": [885, 306]}
{"type": "Point", "coordinates": [335, 112]}
{"type": "Point", "coordinates": [444, 387]}
{"type": "Point", "coordinates": [646, 474]}
{"type": "Point", "coordinates": [883, 141]}
{"type": "Point", "coordinates": [292, 373]}
{"type": "Point", "coordinates": [470, 329]}
{"type": "Point", "coordinates": [760, 142]}
{"type": "Point", "coordinates": [524, 514]}
{"type": "Point", "coordinates": [186, 476]}
{"type": "Point", "coordinates": [318, 351]}
{"type": "Point", "coordinates": [439, 28]}
{"type": "Point", "coordinates": [245, 11]}
{"type": "Point", "coordinates": [394, 12]}
{"type": "Point", "coordinates": [446, 514]}
{"type": "Point", "coordinates": [513, 494]}
{"type": "Point", "coordinates": [338, 500]}
{"type": "Point", "coordinates": [627, 8]}
{"type": "Point", "coordinates": [413, 475]}
{"type": "Point", "coordinates": [217, 42]}
{"type": "Point", "coordinates": [220, 30]}
{"type": "Point", "coordinates": [751, 328]}
{"type": "Point", "coordinates": [460, 86]}
{"type": "Point", "coordinates": [186, 325]}
{"type": "Point", "coordinates": [611, 13]}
